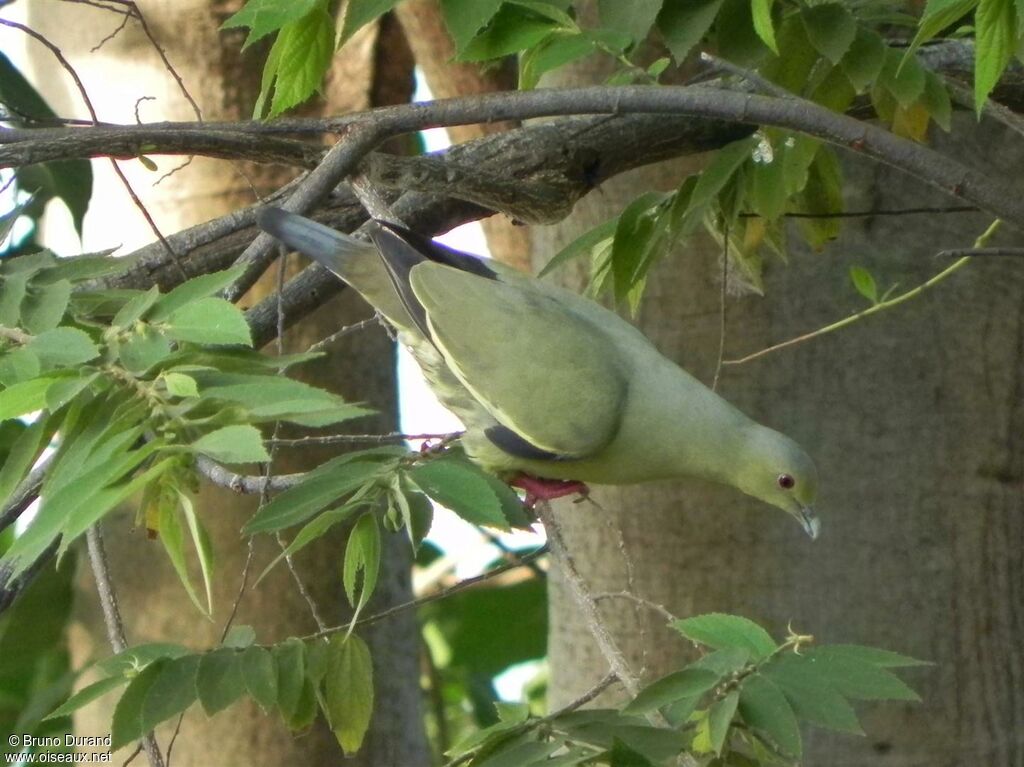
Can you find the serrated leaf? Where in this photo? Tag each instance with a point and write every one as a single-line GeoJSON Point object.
{"type": "Point", "coordinates": [219, 680]}
{"type": "Point", "coordinates": [761, 11]}
{"type": "Point", "coordinates": [938, 14]}
{"type": "Point", "coordinates": [321, 487]}
{"type": "Point", "coordinates": [556, 50]}
{"type": "Point", "coordinates": [864, 283]}
{"type": "Point", "coordinates": [362, 556]}
{"type": "Point", "coordinates": [233, 444]}
{"type": "Point", "coordinates": [143, 349]}
{"type": "Point", "coordinates": [634, 18]}
{"type": "Point", "coordinates": [720, 719]}
{"type": "Point", "coordinates": [239, 637]}
{"type": "Point", "coordinates": [173, 691]}
{"type": "Point", "coordinates": [135, 307]}
{"type": "Point", "coordinates": [348, 690]}
{"type": "Point", "coordinates": [936, 100]}
{"type": "Point", "coordinates": [180, 385]}
{"type": "Point", "coordinates": [640, 239]}
{"type": "Point", "coordinates": [858, 679]}
{"type": "Point", "coordinates": [260, 675]}
{"type": "Point", "coordinates": [581, 245]}
{"type": "Point", "coordinates": [812, 697]}
{"type": "Point", "coordinates": [688, 683]}
{"type": "Point", "coordinates": [211, 321]}
{"type": "Point", "coordinates": [460, 489]}
{"type": "Point", "coordinates": [303, 52]}
{"type": "Point", "coordinates": [18, 365]}
{"type": "Point", "coordinates": [721, 631]}
{"type": "Point", "coordinates": [465, 18]}
{"type": "Point", "coordinates": [315, 529]}
{"type": "Point", "coordinates": [44, 306]}
{"type": "Point", "coordinates": [198, 287]}
{"type": "Point", "coordinates": [683, 24]}
{"type": "Point", "coordinates": [290, 662]}
{"type": "Point", "coordinates": [134, 659]}
{"type": "Point", "coordinates": [66, 389]}
{"type": "Point", "coordinates": [266, 16]}
{"type": "Point", "coordinates": [359, 13]}
{"type": "Point", "coordinates": [87, 695]}
{"type": "Point", "coordinates": [172, 536]}
{"type": "Point", "coordinates": [13, 290]}
{"type": "Point", "coordinates": [278, 398]}
{"type": "Point", "coordinates": [126, 725]}
{"type": "Point", "coordinates": [995, 41]}
{"type": "Point", "coordinates": [87, 267]}
{"type": "Point", "coordinates": [865, 58]}
{"type": "Point", "coordinates": [763, 706]}
{"type": "Point", "coordinates": [512, 29]}
{"type": "Point", "coordinates": [831, 29]}
{"type": "Point", "coordinates": [21, 456]}
{"type": "Point", "coordinates": [904, 79]}
{"type": "Point", "coordinates": [417, 513]}
{"type": "Point", "coordinates": [63, 347]}
{"type": "Point", "coordinates": [862, 654]}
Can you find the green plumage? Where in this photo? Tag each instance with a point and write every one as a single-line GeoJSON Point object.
{"type": "Point", "coordinates": [548, 382]}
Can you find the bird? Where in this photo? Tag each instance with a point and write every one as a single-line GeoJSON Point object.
{"type": "Point", "coordinates": [556, 392]}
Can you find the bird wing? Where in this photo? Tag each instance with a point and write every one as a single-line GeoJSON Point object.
{"type": "Point", "coordinates": [550, 377]}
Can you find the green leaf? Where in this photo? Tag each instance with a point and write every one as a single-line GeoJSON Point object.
{"type": "Point", "coordinates": [823, 196]}
{"type": "Point", "coordinates": [315, 529]}
{"type": "Point", "coordinates": [126, 725]}
{"type": "Point", "coordinates": [134, 659]}
{"type": "Point", "coordinates": [87, 695]}
{"type": "Point", "coordinates": [417, 513]}
{"type": "Point", "coordinates": [764, 707]}
{"type": "Point", "coordinates": [18, 365]}
{"type": "Point", "coordinates": [290, 660]}
{"type": "Point", "coordinates": [460, 489]}
{"type": "Point", "coordinates": [66, 389]}
{"type": "Point", "coordinates": [13, 290]}
{"type": "Point", "coordinates": [201, 544]}
{"type": "Point", "coordinates": [556, 50]}
{"type": "Point", "coordinates": [25, 397]}
{"type": "Point", "coordinates": [858, 679]}
{"type": "Point", "coordinates": [761, 11]}
{"type": "Point", "coordinates": [831, 29]}
{"type": "Point", "coordinates": [720, 719]}
{"type": "Point", "coordinates": [18, 93]}
{"type": "Point", "coordinates": [995, 41]}
{"type": "Point", "coordinates": [239, 637]}
{"type": "Point", "coordinates": [233, 444]}
{"type": "Point", "coordinates": [864, 60]}
{"type": "Point", "coordinates": [865, 283]}
{"type": "Point", "coordinates": [348, 690]}
{"type": "Point", "coordinates": [196, 288]}
{"type": "Point", "coordinates": [180, 385]}
{"type": "Point", "coordinates": [711, 181]}
{"type": "Point", "coordinates": [260, 676]}
{"type": "Point", "coordinates": [687, 683]}
{"type": "Point", "coordinates": [301, 55]}
{"type": "Point", "coordinates": [720, 631]}
{"type": "Point", "coordinates": [211, 321]}
{"type": "Point", "coordinates": [86, 267]}
{"type": "Point", "coordinates": [634, 18]}
{"type": "Point", "coordinates": [135, 307]}
{"type": "Point", "coordinates": [63, 347]}
{"type": "Point", "coordinates": [359, 13]}
{"type": "Point", "coordinates": [172, 536]}
{"type": "Point", "coordinates": [581, 245]}
{"type": "Point", "coordinates": [44, 306]}
{"type": "Point", "coordinates": [219, 681]}
{"type": "Point", "coordinates": [143, 349]}
{"type": "Point", "coordinates": [861, 654]}
{"type": "Point", "coordinates": [321, 487]}
{"type": "Point", "coordinates": [640, 239]}
{"type": "Point", "coordinates": [812, 697]}
{"type": "Point", "coordinates": [938, 14]}
{"type": "Point", "coordinates": [266, 16]}
{"type": "Point", "coordinates": [172, 691]}
{"type": "Point", "coordinates": [67, 180]}
{"type": "Point", "coordinates": [21, 456]}
{"type": "Point", "coordinates": [684, 23]}
{"type": "Point", "coordinates": [277, 398]}
{"type": "Point", "coordinates": [903, 78]}
{"type": "Point", "coordinates": [362, 555]}
{"type": "Point", "coordinates": [936, 100]}
{"type": "Point", "coordinates": [512, 29]}
{"type": "Point", "coordinates": [465, 18]}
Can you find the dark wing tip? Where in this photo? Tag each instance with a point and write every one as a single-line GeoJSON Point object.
{"type": "Point", "coordinates": [437, 252]}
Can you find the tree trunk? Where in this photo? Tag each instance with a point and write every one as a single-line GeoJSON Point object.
{"type": "Point", "coordinates": [153, 603]}
{"type": "Point", "coordinates": [915, 420]}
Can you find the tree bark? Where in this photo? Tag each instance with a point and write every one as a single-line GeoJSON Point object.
{"type": "Point", "coordinates": [154, 605]}
{"type": "Point", "coordinates": [915, 420]}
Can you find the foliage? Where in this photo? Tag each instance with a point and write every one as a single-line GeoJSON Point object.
{"type": "Point", "coordinates": [741, 703]}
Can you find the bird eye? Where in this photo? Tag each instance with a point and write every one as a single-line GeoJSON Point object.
{"type": "Point", "coordinates": [786, 482]}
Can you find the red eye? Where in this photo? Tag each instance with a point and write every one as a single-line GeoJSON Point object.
{"type": "Point", "coordinates": [786, 482]}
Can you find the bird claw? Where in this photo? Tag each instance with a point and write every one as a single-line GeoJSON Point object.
{"type": "Point", "coordinates": [539, 489]}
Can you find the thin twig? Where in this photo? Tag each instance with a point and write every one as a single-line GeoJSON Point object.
{"type": "Point", "coordinates": [585, 601]}
{"type": "Point", "coordinates": [721, 309]}
{"type": "Point", "coordinates": [347, 330]}
{"type": "Point", "coordinates": [465, 583]}
{"type": "Point", "coordinates": [719, 66]}
{"type": "Point", "coordinates": [980, 252]}
{"type": "Point", "coordinates": [874, 309]}
{"type": "Point", "coordinates": [340, 439]}
{"type": "Point", "coordinates": [112, 619]}
{"type": "Point", "coordinates": [660, 609]}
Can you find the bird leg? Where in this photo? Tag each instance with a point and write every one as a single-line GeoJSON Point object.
{"type": "Point", "coordinates": [540, 489]}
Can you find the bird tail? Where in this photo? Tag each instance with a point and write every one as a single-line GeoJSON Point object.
{"type": "Point", "coordinates": [333, 250]}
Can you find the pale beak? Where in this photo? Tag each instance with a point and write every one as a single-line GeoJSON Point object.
{"type": "Point", "coordinates": [809, 522]}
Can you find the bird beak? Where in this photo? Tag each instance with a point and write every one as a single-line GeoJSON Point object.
{"type": "Point", "coordinates": [809, 521]}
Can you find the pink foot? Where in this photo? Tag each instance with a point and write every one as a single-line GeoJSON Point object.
{"type": "Point", "coordinates": [539, 489]}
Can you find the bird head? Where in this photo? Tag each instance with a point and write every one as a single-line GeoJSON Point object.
{"type": "Point", "coordinates": [777, 471]}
